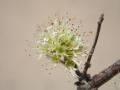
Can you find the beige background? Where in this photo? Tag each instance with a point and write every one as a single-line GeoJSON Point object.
{"type": "Point", "coordinates": [18, 19]}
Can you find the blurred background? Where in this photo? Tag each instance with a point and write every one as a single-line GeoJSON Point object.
{"type": "Point", "coordinates": [20, 69]}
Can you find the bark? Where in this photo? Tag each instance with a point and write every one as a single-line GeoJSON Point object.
{"type": "Point", "coordinates": [104, 76]}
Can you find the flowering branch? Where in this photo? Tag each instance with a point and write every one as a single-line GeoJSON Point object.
{"type": "Point", "coordinates": [62, 43]}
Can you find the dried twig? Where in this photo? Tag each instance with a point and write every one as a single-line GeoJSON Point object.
{"type": "Point", "coordinates": [84, 76]}
{"type": "Point", "coordinates": [87, 64]}
{"type": "Point", "coordinates": [99, 79]}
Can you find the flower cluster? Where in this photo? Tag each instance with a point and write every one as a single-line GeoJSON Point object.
{"type": "Point", "coordinates": [61, 42]}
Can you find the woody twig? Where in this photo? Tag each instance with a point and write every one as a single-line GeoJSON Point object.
{"type": "Point", "coordinates": [87, 64]}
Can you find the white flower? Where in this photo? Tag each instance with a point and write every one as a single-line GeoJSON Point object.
{"type": "Point", "coordinates": [62, 43]}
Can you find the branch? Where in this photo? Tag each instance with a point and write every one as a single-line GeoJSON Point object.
{"type": "Point", "coordinates": [104, 76]}
{"type": "Point", "coordinates": [84, 75]}
{"type": "Point", "coordinates": [87, 64]}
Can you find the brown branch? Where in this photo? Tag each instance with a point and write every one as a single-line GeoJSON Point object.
{"type": "Point", "coordinates": [99, 79]}
{"type": "Point", "coordinates": [87, 64]}
{"type": "Point", "coordinates": [104, 76]}
{"type": "Point", "coordinates": [84, 75]}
